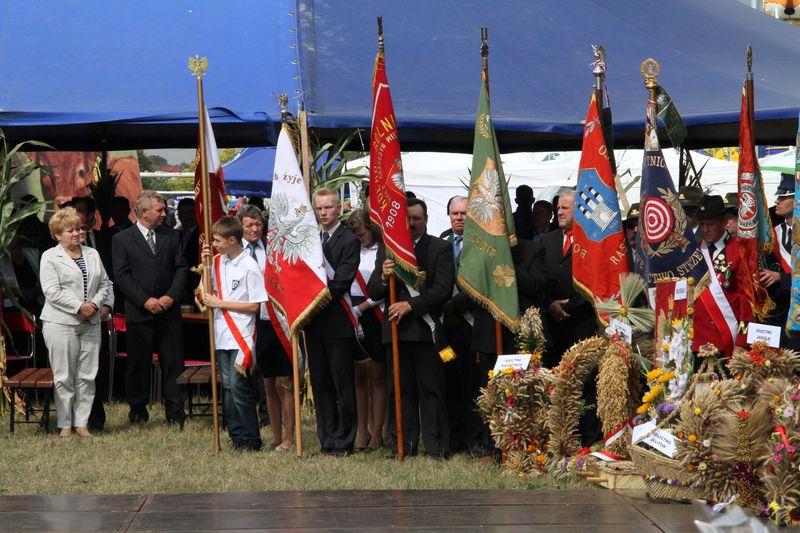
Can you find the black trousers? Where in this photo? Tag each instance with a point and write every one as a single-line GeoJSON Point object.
{"type": "Point", "coordinates": [460, 401]}
{"type": "Point", "coordinates": [164, 337]}
{"type": "Point", "coordinates": [332, 368]}
{"type": "Point", "coordinates": [479, 437]}
{"type": "Point", "coordinates": [423, 390]}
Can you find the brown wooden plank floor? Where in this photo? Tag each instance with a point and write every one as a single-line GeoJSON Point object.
{"type": "Point", "coordinates": [438, 510]}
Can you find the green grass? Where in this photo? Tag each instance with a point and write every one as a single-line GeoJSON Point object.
{"type": "Point", "coordinates": [158, 459]}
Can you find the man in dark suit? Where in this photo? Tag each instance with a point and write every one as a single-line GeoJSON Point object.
{"type": "Point", "coordinates": [529, 269]}
{"type": "Point", "coordinates": [457, 322]}
{"type": "Point", "coordinates": [567, 311]}
{"type": "Point", "coordinates": [150, 270]}
{"type": "Point", "coordinates": [330, 336]}
{"type": "Point", "coordinates": [190, 241]}
{"type": "Point", "coordinates": [421, 369]}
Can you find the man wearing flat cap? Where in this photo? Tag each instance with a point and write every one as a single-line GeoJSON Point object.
{"type": "Point", "coordinates": [778, 277]}
{"type": "Point", "coordinates": [720, 314]}
{"type": "Point", "coordinates": [631, 227]}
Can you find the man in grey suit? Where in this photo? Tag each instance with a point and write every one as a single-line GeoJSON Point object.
{"type": "Point", "coordinates": [150, 270]}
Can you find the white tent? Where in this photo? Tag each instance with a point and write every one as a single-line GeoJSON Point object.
{"type": "Point", "coordinates": [436, 177]}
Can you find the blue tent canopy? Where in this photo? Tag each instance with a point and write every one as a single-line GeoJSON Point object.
{"type": "Point", "coordinates": [250, 173]}
{"type": "Point", "coordinates": [89, 74]}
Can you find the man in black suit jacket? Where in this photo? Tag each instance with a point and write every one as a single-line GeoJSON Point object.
{"type": "Point", "coordinates": [458, 328]}
{"type": "Point", "coordinates": [190, 240]}
{"type": "Point", "coordinates": [529, 268]}
{"type": "Point", "coordinates": [150, 271]}
{"type": "Point", "coordinates": [567, 311]}
{"type": "Point", "coordinates": [421, 369]}
{"type": "Point", "coordinates": [330, 336]}
{"type": "Point", "coordinates": [569, 314]}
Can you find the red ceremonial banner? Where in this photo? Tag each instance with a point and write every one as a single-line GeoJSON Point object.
{"type": "Point", "coordinates": [387, 195]}
{"type": "Point", "coordinates": [216, 182]}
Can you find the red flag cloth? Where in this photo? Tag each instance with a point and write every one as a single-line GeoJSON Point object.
{"type": "Point", "coordinates": [387, 195]}
{"type": "Point", "coordinates": [599, 253]}
{"type": "Point", "coordinates": [753, 217]}
{"type": "Point", "coordinates": [216, 182]}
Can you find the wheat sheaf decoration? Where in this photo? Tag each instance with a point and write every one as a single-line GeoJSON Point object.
{"type": "Point", "coordinates": [570, 375]}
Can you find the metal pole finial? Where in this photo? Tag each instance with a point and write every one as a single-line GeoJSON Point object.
{"type": "Point", "coordinates": [380, 34]}
{"type": "Point", "coordinates": [650, 71]}
{"type": "Point", "coordinates": [283, 101]}
{"type": "Point", "coordinates": [599, 70]}
{"type": "Point", "coordinates": [484, 41]}
{"type": "Point", "coordinates": [749, 62]}
{"type": "Point", "coordinates": [198, 65]}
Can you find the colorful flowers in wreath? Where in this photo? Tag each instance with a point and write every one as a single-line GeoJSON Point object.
{"type": "Point", "coordinates": [515, 402]}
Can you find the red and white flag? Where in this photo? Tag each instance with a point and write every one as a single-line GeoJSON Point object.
{"type": "Point", "coordinates": [295, 270]}
{"type": "Point", "coordinates": [218, 200]}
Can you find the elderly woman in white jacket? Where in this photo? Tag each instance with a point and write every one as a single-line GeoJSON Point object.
{"type": "Point", "coordinates": [76, 290]}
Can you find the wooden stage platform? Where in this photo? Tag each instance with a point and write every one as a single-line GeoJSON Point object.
{"type": "Point", "coordinates": [590, 510]}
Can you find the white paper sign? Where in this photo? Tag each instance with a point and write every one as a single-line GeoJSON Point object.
{"type": "Point", "coordinates": [660, 439]}
{"type": "Point", "coordinates": [641, 430]}
{"type": "Point", "coordinates": [651, 297]}
{"type": "Point", "coordinates": [762, 332]}
{"type": "Point", "coordinates": [623, 330]}
{"type": "Point", "coordinates": [518, 361]}
{"type": "Point", "coordinates": [681, 290]}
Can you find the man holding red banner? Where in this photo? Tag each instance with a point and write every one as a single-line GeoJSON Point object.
{"type": "Point", "coordinates": [331, 333]}
{"type": "Point", "coordinates": [422, 378]}
{"type": "Point", "coordinates": [719, 309]}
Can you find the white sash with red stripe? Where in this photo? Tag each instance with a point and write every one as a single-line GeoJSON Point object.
{"type": "Point", "coordinates": [244, 359]}
{"type": "Point", "coordinates": [376, 306]}
{"type": "Point", "coordinates": [718, 307]}
{"type": "Point", "coordinates": [606, 455]}
{"type": "Point", "coordinates": [784, 257]}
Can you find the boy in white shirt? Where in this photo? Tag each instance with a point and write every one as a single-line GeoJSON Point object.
{"type": "Point", "coordinates": [238, 293]}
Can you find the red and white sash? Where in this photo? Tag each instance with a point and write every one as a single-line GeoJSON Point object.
{"type": "Point", "coordinates": [244, 359]}
{"type": "Point", "coordinates": [718, 307]}
{"type": "Point", "coordinates": [363, 285]}
{"type": "Point", "coordinates": [784, 257]}
{"type": "Point", "coordinates": [606, 455]}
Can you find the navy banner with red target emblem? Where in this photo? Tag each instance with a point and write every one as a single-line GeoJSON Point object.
{"type": "Point", "coordinates": [666, 245]}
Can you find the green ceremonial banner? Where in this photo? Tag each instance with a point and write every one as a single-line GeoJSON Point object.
{"type": "Point", "coordinates": [668, 113]}
{"type": "Point", "coordinates": [485, 268]}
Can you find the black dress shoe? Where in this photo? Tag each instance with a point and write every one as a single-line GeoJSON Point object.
{"type": "Point", "coordinates": [179, 422]}
{"type": "Point", "coordinates": [138, 416]}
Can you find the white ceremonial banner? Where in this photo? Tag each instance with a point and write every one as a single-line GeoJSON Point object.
{"type": "Point", "coordinates": [518, 361]}
{"type": "Point", "coordinates": [764, 333]}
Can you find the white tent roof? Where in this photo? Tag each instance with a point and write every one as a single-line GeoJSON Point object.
{"type": "Point", "coordinates": [436, 177]}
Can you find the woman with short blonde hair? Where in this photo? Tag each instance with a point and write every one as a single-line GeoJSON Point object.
{"type": "Point", "coordinates": [75, 287]}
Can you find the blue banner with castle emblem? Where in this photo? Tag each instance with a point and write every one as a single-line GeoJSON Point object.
{"type": "Point", "coordinates": [666, 245]}
{"type": "Point", "coordinates": [599, 254]}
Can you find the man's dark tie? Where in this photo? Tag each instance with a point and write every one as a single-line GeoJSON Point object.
{"type": "Point", "coordinates": [458, 241]}
{"type": "Point", "coordinates": [325, 237]}
{"type": "Point", "coordinates": [151, 241]}
{"type": "Point", "coordinates": [787, 237]}
{"type": "Point", "coordinates": [252, 247]}
{"type": "Point", "coordinates": [711, 249]}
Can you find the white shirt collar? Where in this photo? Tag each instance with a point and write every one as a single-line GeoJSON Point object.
{"type": "Point", "coordinates": [245, 244]}
{"type": "Point", "coordinates": [144, 230]}
{"type": "Point", "coordinates": [331, 231]}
